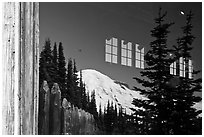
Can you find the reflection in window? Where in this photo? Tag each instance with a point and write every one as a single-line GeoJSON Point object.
{"type": "Point", "coordinates": [190, 69]}
{"type": "Point", "coordinates": [173, 68]}
{"type": "Point", "coordinates": [126, 53]}
{"type": "Point", "coordinates": [182, 68]}
{"type": "Point", "coordinates": [139, 57]}
{"type": "Point", "coordinates": [111, 50]}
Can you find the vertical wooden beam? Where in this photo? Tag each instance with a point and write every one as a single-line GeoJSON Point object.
{"type": "Point", "coordinates": [20, 68]}
{"type": "Point", "coordinates": [8, 58]}
{"type": "Point", "coordinates": [29, 45]}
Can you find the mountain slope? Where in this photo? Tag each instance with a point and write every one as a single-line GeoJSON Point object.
{"type": "Point", "coordinates": [107, 89]}
{"type": "Point", "coordinates": [117, 92]}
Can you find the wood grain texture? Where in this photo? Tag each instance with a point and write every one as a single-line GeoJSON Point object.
{"type": "Point", "coordinates": [29, 67]}
{"type": "Point", "coordinates": [20, 55]}
{"type": "Point", "coordinates": [8, 68]}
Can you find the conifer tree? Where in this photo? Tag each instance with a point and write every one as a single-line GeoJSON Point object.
{"type": "Point", "coordinates": [62, 70]}
{"type": "Point", "coordinates": [101, 119]}
{"type": "Point", "coordinates": [115, 116]}
{"type": "Point", "coordinates": [112, 117]}
{"type": "Point", "coordinates": [47, 69]}
{"type": "Point", "coordinates": [84, 98]}
{"type": "Point", "coordinates": [82, 92]}
{"type": "Point", "coordinates": [157, 73]}
{"type": "Point", "coordinates": [93, 108]}
{"type": "Point", "coordinates": [55, 56]}
{"type": "Point", "coordinates": [121, 121]}
{"type": "Point", "coordinates": [185, 117]}
{"type": "Point", "coordinates": [77, 97]}
{"type": "Point", "coordinates": [107, 119]}
{"type": "Point", "coordinates": [55, 62]}
{"type": "Point", "coordinates": [88, 102]}
{"type": "Point", "coordinates": [69, 82]}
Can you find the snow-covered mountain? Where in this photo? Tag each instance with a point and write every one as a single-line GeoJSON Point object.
{"type": "Point", "coordinates": [107, 89]}
{"type": "Point", "coordinates": [117, 92]}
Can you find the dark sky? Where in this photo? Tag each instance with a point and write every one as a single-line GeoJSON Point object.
{"type": "Point", "coordinates": [83, 27]}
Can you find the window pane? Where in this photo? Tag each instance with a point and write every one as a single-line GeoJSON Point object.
{"type": "Point", "coordinates": [181, 73]}
{"type": "Point", "coordinates": [115, 42]}
{"type": "Point", "coordinates": [114, 59]}
{"type": "Point", "coordinates": [171, 70]}
{"type": "Point", "coordinates": [124, 53]}
{"type": "Point", "coordinates": [115, 50]}
{"type": "Point", "coordinates": [190, 62]}
{"type": "Point", "coordinates": [137, 55]}
{"type": "Point", "coordinates": [129, 46]}
{"type": "Point", "coordinates": [190, 71]}
{"type": "Point", "coordinates": [181, 66]}
{"type": "Point", "coordinates": [174, 71]}
{"type": "Point", "coordinates": [137, 63]}
{"type": "Point", "coordinates": [142, 64]}
{"type": "Point", "coordinates": [190, 75]}
{"type": "Point", "coordinates": [142, 50]}
{"type": "Point", "coordinates": [108, 58]}
{"type": "Point", "coordinates": [174, 65]}
{"type": "Point", "coordinates": [142, 57]}
{"type": "Point", "coordinates": [108, 41]}
{"type": "Point", "coordinates": [123, 61]}
{"type": "Point", "coordinates": [129, 54]}
{"type": "Point", "coordinates": [136, 48]}
{"type": "Point", "coordinates": [181, 60]}
{"type": "Point", "coordinates": [129, 62]}
{"type": "Point", "coordinates": [124, 46]}
{"type": "Point", "coordinates": [108, 49]}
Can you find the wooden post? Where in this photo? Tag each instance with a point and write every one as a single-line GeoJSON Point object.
{"type": "Point", "coordinates": [44, 109]}
{"type": "Point", "coordinates": [55, 110]}
{"type": "Point", "coordinates": [20, 55]}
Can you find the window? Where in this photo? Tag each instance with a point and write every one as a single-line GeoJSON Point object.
{"type": "Point", "coordinates": [126, 53]}
{"type": "Point", "coordinates": [111, 50]}
{"type": "Point", "coordinates": [139, 57]}
{"type": "Point", "coordinates": [183, 68]}
{"type": "Point", "coordinates": [190, 69]}
{"type": "Point", "coordinates": [173, 68]}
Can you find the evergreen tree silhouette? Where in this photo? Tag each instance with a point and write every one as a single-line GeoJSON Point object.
{"type": "Point", "coordinates": [69, 82]}
{"type": "Point", "coordinates": [47, 69]}
{"type": "Point", "coordinates": [82, 92]}
{"type": "Point", "coordinates": [93, 108]}
{"type": "Point", "coordinates": [157, 75]}
{"type": "Point", "coordinates": [62, 70]}
{"type": "Point", "coordinates": [55, 62]}
{"type": "Point", "coordinates": [107, 119]}
{"type": "Point", "coordinates": [76, 91]}
{"type": "Point", "coordinates": [185, 117]}
{"type": "Point", "coordinates": [101, 120]}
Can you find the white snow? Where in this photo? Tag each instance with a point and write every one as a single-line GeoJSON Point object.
{"type": "Point", "coordinates": [106, 89]}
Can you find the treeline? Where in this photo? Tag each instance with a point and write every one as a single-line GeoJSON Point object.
{"type": "Point", "coordinates": [169, 109]}
{"type": "Point", "coordinates": [53, 69]}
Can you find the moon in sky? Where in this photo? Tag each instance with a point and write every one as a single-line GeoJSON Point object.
{"type": "Point", "coordinates": [182, 13]}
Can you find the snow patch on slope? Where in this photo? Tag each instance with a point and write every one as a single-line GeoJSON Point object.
{"type": "Point", "coordinates": [117, 92]}
{"type": "Point", "coordinates": [107, 89]}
